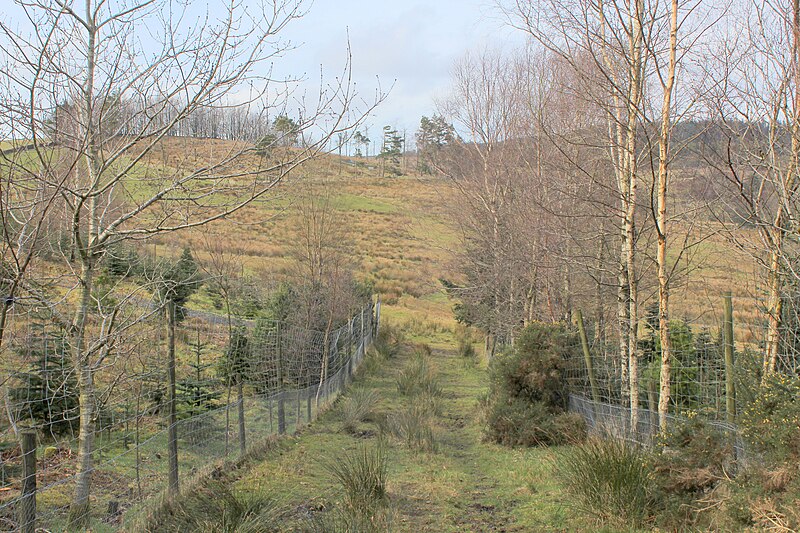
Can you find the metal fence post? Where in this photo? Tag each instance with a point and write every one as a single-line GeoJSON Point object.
{"type": "Point", "coordinates": [730, 387]}
{"type": "Point", "coordinates": [27, 504]}
{"type": "Point", "coordinates": [281, 402]}
{"type": "Point", "coordinates": [172, 431]}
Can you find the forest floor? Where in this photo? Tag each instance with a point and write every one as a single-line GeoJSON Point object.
{"type": "Point", "coordinates": [466, 485]}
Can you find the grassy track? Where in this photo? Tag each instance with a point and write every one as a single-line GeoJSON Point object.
{"type": "Point", "coordinates": [467, 485]}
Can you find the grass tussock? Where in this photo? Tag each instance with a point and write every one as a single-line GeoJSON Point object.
{"type": "Point", "coordinates": [413, 426]}
{"type": "Point", "coordinates": [418, 376]}
{"type": "Point", "coordinates": [357, 407]}
{"type": "Point", "coordinates": [361, 477]}
{"type": "Point", "coordinates": [610, 479]}
{"type": "Point", "coordinates": [389, 341]}
{"type": "Point", "coordinates": [338, 520]}
{"type": "Point", "coordinates": [213, 506]}
{"type": "Point", "coordinates": [466, 349]}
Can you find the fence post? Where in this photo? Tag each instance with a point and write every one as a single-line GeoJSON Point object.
{"type": "Point", "coordinates": [730, 387]}
{"type": "Point", "coordinates": [378, 315]}
{"type": "Point", "coordinates": [587, 356]}
{"type": "Point", "coordinates": [297, 414]}
{"type": "Point", "coordinates": [242, 433]}
{"type": "Point", "coordinates": [27, 504]}
{"type": "Point", "coordinates": [351, 360]}
{"type": "Point", "coordinates": [172, 430]}
{"type": "Point", "coordinates": [363, 341]}
{"type": "Point", "coordinates": [281, 403]}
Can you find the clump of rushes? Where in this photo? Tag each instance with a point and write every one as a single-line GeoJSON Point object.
{"type": "Point", "coordinates": [610, 479]}
{"type": "Point", "coordinates": [357, 407]}
{"type": "Point", "coordinates": [418, 377]}
{"type": "Point", "coordinates": [361, 475]}
{"type": "Point", "coordinates": [413, 426]}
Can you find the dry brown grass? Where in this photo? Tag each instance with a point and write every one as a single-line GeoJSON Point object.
{"type": "Point", "coordinates": [398, 228]}
{"type": "Point", "coordinates": [779, 478]}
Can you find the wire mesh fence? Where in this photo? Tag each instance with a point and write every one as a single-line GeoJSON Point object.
{"type": "Point", "coordinates": [714, 374]}
{"type": "Point", "coordinates": [237, 382]}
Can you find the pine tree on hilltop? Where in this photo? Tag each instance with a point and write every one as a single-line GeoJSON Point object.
{"type": "Point", "coordinates": [391, 151]}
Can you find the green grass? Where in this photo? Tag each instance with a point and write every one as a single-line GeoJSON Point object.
{"type": "Point", "coordinates": [352, 202]}
{"type": "Point", "coordinates": [467, 485]}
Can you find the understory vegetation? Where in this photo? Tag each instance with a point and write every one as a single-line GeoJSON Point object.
{"type": "Point", "coordinates": [696, 477]}
{"type": "Point", "coordinates": [527, 401]}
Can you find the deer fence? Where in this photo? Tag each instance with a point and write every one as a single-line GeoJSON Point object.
{"type": "Point", "coordinates": [716, 370]}
{"type": "Point", "coordinates": [235, 382]}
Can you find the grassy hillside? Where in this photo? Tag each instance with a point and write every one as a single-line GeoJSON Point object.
{"type": "Point", "coordinates": [403, 237]}
{"type": "Point", "coordinates": [397, 229]}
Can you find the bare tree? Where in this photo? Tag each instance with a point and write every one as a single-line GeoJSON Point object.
{"type": "Point", "coordinates": [755, 102]}
{"type": "Point", "coordinates": [70, 75]}
{"type": "Point", "coordinates": [324, 263]}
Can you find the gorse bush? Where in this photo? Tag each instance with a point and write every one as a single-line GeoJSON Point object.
{"type": "Point", "coordinates": [526, 405]}
{"type": "Point", "coordinates": [695, 457]}
{"type": "Point", "coordinates": [357, 407]}
{"type": "Point", "coordinates": [610, 479]}
{"type": "Point", "coordinates": [534, 371]}
{"type": "Point", "coordinates": [361, 476]}
{"type": "Point", "coordinates": [771, 420]}
{"type": "Point", "coordinates": [518, 422]}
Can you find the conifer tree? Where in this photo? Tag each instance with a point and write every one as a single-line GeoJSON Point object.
{"type": "Point", "coordinates": [47, 392]}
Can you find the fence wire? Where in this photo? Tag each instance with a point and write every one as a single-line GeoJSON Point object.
{"type": "Point", "coordinates": [700, 378]}
{"type": "Point", "coordinates": [237, 382]}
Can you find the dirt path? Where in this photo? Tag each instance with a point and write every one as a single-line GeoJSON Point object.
{"type": "Point", "coordinates": [466, 485]}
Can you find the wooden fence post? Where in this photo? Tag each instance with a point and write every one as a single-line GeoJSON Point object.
{"type": "Point", "coordinates": [172, 430]}
{"type": "Point", "coordinates": [587, 357]}
{"type": "Point", "coordinates": [27, 504]}
{"type": "Point", "coordinates": [730, 369]}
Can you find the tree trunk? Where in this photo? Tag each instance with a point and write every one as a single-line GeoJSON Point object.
{"type": "Point", "coordinates": [79, 508]}
{"type": "Point", "coordinates": [172, 408]}
{"type": "Point", "coordinates": [623, 323]}
{"type": "Point", "coordinates": [661, 226]}
{"type": "Point", "coordinates": [633, 105]}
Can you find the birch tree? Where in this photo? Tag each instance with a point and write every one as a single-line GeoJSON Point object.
{"type": "Point", "coordinates": [755, 101]}
{"type": "Point", "coordinates": [603, 42]}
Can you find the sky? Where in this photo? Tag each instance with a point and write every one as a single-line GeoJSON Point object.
{"type": "Point", "coordinates": [404, 47]}
{"type": "Point", "coordinates": [408, 45]}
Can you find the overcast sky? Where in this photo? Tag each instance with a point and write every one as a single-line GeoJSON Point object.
{"type": "Point", "coordinates": [409, 43]}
